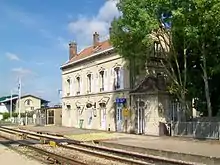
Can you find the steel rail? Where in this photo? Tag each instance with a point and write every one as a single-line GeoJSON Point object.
{"type": "Point", "coordinates": [109, 153]}
{"type": "Point", "coordinates": [56, 157]}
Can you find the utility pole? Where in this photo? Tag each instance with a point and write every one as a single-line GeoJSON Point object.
{"type": "Point", "coordinates": [11, 106]}
{"type": "Point", "coordinates": [19, 95]}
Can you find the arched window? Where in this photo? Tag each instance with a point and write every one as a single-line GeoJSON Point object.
{"type": "Point", "coordinates": [89, 83]}
{"type": "Point", "coordinates": [68, 86]}
{"type": "Point", "coordinates": [28, 102]}
{"type": "Point", "coordinates": [101, 80]}
{"type": "Point", "coordinates": [117, 78]}
{"type": "Point", "coordinates": [78, 85]}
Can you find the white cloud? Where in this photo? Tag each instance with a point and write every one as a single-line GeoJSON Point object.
{"type": "Point", "coordinates": [21, 71]}
{"type": "Point", "coordinates": [12, 56]}
{"type": "Point", "coordinates": [84, 27]}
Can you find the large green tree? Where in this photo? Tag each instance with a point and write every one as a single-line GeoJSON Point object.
{"type": "Point", "coordinates": [192, 41]}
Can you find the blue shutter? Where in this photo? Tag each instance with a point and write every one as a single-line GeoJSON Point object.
{"type": "Point", "coordinates": [121, 78]}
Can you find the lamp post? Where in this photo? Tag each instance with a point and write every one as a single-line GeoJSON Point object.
{"type": "Point", "coordinates": [19, 95]}
{"type": "Point", "coordinates": [11, 106]}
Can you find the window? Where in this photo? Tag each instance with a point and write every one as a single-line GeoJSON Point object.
{"type": "Point", "coordinates": [28, 102]}
{"type": "Point", "coordinates": [89, 85]}
{"type": "Point", "coordinates": [78, 85]}
{"type": "Point", "coordinates": [101, 80]}
{"type": "Point", "coordinates": [68, 87]}
{"type": "Point", "coordinates": [157, 49]}
{"type": "Point", "coordinates": [116, 78]}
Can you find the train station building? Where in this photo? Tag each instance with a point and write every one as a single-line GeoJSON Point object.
{"type": "Point", "coordinates": [97, 92]}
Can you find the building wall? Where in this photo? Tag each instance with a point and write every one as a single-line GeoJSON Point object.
{"type": "Point", "coordinates": [4, 108]}
{"type": "Point", "coordinates": [155, 112]}
{"type": "Point", "coordinates": [34, 104]}
{"type": "Point", "coordinates": [91, 117]}
{"type": "Point", "coordinates": [75, 113]}
{"type": "Point", "coordinates": [57, 115]}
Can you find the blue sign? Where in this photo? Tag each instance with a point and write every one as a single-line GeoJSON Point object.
{"type": "Point", "coordinates": [120, 100]}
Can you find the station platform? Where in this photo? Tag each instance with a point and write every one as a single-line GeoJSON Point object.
{"type": "Point", "coordinates": [10, 157]}
{"type": "Point", "coordinates": [207, 152]}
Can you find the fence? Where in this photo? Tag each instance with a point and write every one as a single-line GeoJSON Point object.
{"type": "Point", "coordinates": [30, 121]}
{"type": "Point", "coordinates": [196, 129]}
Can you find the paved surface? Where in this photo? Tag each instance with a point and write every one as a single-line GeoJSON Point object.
{"type": "Point", "coordinates": [76, 133]}
{"type": "Point", "coordinates": [9, 157]}
{"type": "Point", "coordinates": [172, 145]}
{"type": "Point", "coordinates": [158, 143]}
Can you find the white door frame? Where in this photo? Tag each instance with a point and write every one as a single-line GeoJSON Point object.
{"type": "Point", "coordinates": [103, 118]}
{"type": "Point", "coordinates": [140, 118]}
{"type": "Point", "coordinates": [89, 117]}
{"type": "Point", "coordinates": [119, 108]}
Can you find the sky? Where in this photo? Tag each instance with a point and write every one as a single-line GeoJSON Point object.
{"type": "Point", "coordinates": [34, 37]}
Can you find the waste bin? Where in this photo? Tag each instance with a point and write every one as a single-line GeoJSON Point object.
{"type": "Point", "coordinates": [81, 123]}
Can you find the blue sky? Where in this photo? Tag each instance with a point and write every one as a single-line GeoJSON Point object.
{"type": "Point", "coordinates": [34, 36]}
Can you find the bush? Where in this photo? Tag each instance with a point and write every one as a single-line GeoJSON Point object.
{"type": "Point", "coordinates": [6, 115]}
{"type": "Point", "coordinates": [14, 114]}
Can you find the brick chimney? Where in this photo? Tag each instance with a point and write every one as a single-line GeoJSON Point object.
{"type": "Point", "coordinates": [72, 50]}
{"type": "Point", "coordinates": [95, 39]}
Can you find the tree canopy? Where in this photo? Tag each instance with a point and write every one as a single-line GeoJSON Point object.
{"type": "Point", "coordinates": [194, 43]}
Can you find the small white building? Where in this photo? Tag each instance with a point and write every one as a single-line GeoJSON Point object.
{"type": "Point", "coordinates": [5, 103]}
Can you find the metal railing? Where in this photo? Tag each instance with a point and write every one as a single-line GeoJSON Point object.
{"type": "Point", "coordinates": [196, 129]}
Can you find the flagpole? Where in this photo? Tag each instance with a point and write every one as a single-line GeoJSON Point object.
{"type": "Point", "coordinates": [19, 95]}
{"type": "Point", "coordinates": [11, 106]}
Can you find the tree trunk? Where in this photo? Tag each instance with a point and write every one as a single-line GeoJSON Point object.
{"type": "Point", "coordinates": [205, 78]}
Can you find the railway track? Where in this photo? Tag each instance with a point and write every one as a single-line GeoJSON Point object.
{"type": "Point", "coordinates": [98, 151]}
{"type": "Point", "coordinates": [52, 157]}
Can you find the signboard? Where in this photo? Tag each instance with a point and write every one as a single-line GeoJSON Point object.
{"type": "Point", "coordinates": [120, 100]}
{"type": "Point", "coordinates": [126, 112]}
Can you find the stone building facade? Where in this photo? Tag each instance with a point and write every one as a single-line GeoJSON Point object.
{"type": "Point", "coordinates": [97, 93]}
{"type": "Point", "coordinates": [95, 87]}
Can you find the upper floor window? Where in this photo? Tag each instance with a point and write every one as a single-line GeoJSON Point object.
{"type": "Point", "coordinates": [78, 85]}
{"type": "Point", "coordinates": [89, 83]}
{"type": "Point", "coordinates": [157, 49]}
{"type": "Point", "coordinates": [68, 87]}
{"type": "Point", "coordinates": [117, 78]}
{"type": "Point", "coordinates": [101, 80]}
{"type": "Point", "coordinates": [28, 102]}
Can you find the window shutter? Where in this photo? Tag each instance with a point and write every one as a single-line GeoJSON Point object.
{"type": "Point", "coordinates": [81, 85]}
{"type": "Point", "coordinates": [112, 77]}
{"type": "Point", "coordinates": [92, 83]}
{"type": "Point", "coordinates": [96, 83]}
{"type": "Point", "coordinates": [106, 80]}
{"type": "Point", "coordinates": [71, 86]}
{"type": "Point", "coordinates": [63, 88]}
{"type": "Point", "coordinates": [121, 78]}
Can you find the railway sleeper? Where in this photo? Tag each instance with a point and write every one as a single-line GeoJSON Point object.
{"type": "Point", "coordinates": [52, 160]}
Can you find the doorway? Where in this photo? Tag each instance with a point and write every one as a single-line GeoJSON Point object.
{"type": "Point", "coordinates": [89, 118]}
{"type": "Point", "coordinates": [141, 117]}
{"type": "Point", "coordinates": [119, 124]}
{"type": "Point", "coordinates": [103, 115]}
{"type": "Point", "coordinates": [50, 116]}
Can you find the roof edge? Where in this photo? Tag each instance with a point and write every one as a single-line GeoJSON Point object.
{"type": "Point", "coordinates": [93, 55]}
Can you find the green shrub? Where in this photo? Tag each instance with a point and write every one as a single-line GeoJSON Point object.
{"type": "Point", "coordinates": [6, 115]}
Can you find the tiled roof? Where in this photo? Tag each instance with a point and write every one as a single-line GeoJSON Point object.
{"type": "Point", "coordinates": [91, 50]}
